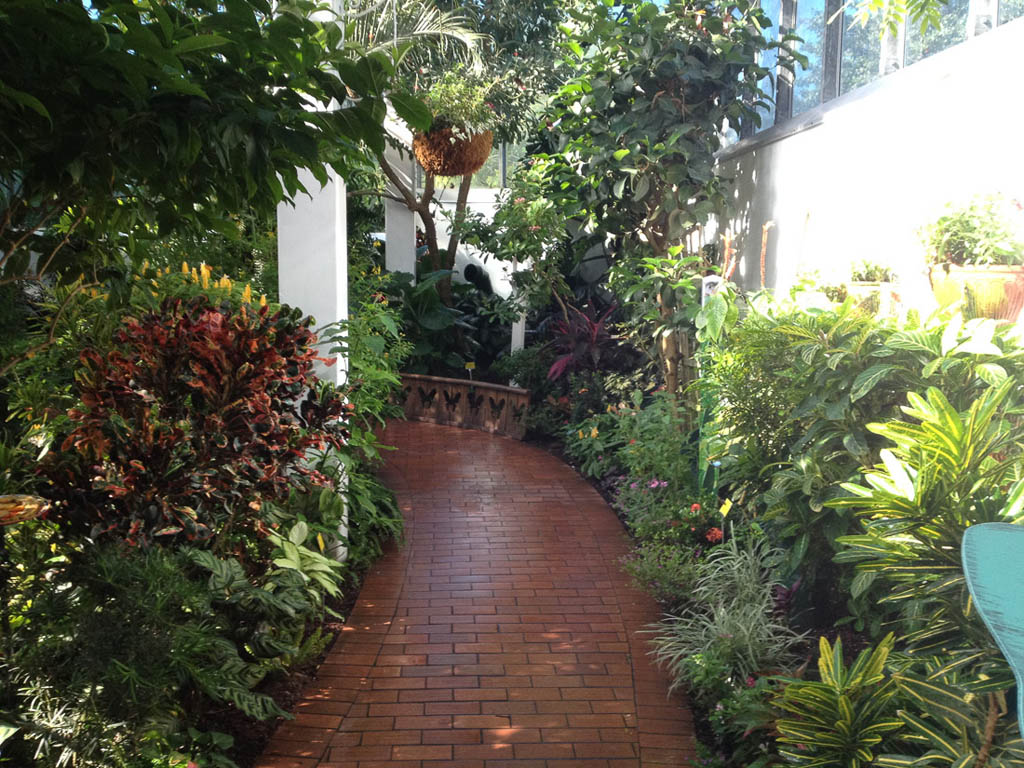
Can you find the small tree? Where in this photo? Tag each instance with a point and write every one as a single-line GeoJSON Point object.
{"type": "Point", "coordinates": [635, 132]}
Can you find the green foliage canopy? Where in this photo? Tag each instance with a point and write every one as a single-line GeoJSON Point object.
{"type": "Point", "coordinates": [638, 126]}
{"type": "Point", "coordinates": [131, 119]}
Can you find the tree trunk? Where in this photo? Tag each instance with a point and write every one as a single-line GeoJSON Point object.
{"type": "Point", "coordinates": [444, 287]}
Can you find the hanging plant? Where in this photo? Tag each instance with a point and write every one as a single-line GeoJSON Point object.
{"type": "Point", "coordinates": [443, 153]}
{"type": "Point", "coordinates": [460, 137]}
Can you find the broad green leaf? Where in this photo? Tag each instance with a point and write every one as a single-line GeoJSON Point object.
{"type": "Point", "coordinates": [199, 43]}
{"type": "Point", "coordinates": [868, 379]}
{"type": "Point", "coordinates": [412, 110]}
{"type": "Point", "coordinates": [299, 533]}
{"type": "Point", "coordinates": [991, 373]}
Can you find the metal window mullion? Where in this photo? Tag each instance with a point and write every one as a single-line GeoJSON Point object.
{"type": "Point", "coordinates": [832, 50]}
{"type": "Point", "coordinates": [784, 76]}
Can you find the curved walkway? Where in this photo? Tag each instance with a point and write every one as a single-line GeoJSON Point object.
{"type": "Point", "coordinates": [501, 635]}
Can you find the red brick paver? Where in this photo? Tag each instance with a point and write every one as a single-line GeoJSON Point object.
{"type": "Point", "coordinates": [502, 634]}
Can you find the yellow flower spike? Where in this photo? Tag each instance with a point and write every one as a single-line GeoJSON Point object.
{"type": "Point", "coordinates": [195, 275]}
{"type": "Point", "coordinates": [581, 434]}
{"type": "Point", "coordinates": [593, 431]}
{"type": "Point", "coordinates": [184, 267]}
{"type": "Point", "coordinates": [247, 294]}
{"type": "Point", "coordinates": [145, 264]}
{"type": "Point", "coordinates": [206, 281]}
{"type": "Point", "coordinates": [263, 303]}
{"type": "Point", "coordinates": [154, 283]}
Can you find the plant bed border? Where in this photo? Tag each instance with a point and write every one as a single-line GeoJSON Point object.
{"type": "Point", "coordinates": [464, 403]}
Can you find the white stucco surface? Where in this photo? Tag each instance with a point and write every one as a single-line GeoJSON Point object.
{"type": "Point", "coordinates": [312, 252]}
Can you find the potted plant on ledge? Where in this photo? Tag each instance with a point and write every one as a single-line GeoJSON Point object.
{"type": "Point", "coordinates": [977, 256]}
{"type": "Point", "coordinates": [872, 285]}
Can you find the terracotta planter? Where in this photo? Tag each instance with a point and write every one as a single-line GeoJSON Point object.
{"type": "Point", "coordinates": [441, 153]}
{"type": "Point", "coordinates": [468, 404]}
{"type": "Point", "coordinates": [995, 291]}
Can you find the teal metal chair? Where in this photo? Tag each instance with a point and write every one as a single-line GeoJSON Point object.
{"type": "Point", "coordinates": [993, 558]}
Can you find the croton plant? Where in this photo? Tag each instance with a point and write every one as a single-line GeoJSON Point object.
{"type": "Point", "coordinates": [195, 416]}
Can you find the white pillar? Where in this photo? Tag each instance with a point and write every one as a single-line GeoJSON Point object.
{"type": "Point", "coordinates": [519, 325]}
{"type": "Point", "coordinates": [312, 258]}
{"type": "Point", "coordinates": [400, 237]}
{"type": "Point", "coordinates": [399, 221]}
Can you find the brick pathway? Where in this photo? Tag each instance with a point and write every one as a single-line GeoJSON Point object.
{"type": "Point", "coordinates": [501, 635]}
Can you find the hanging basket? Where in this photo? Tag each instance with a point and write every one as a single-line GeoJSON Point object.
{"type": "Point", "coordinates": [987, 291]}
{"type": "Point", "coordinates": [441, 153]}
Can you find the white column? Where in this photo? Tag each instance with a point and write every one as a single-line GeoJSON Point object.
{"type": "Point", "coordinates": [399, 221]}
{"type": "Point", "coordinates": [312, 258]}
{"type": "Point", "coordinates": [519, 325]}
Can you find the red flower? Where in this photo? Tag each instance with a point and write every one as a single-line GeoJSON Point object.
{"type": "Point", "coordinates": [695, 508]}
{"type": "Point", "coordinates": [714, 535]}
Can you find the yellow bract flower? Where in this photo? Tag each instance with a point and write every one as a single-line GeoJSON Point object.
{"type": "Point", "coordinates": [581, 434]}
{"type": "Point", "coordinates": [247, 294]}
{"type": "Point", "coordinates": [263, 299]}
{"type": "Point", "coordinates": [195, 275]}
{"type": "Point", "coordinates": [184, 267]}
{"type": "Point", "coordinates": [593, 431]}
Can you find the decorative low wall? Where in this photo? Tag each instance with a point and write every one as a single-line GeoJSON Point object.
{"type": "Point", "coordinates": [468, 404]}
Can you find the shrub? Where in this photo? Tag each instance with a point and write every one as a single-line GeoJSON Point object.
{"type": "Point", "coordinates": [666, 570]}
{"type": "Point", "coordinates": [732, 626]}
{"type": "Point", "coordinates": [658, 511]}
{"type": "Point", "coordinates": [794, 393]}
{"type": "Point", "coordinates": [846, 717]}
{"type": "Point", "coordinates": [110, 642]}
{"type": "Point", "coordinates": [190, 400]}
{"type": "Point", "coordinates": [196, 415]}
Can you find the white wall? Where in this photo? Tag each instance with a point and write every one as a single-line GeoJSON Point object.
{"type": "Point", "coordinates": [857, 178]}
{"type": "Point", "coordinates": [483, 201]}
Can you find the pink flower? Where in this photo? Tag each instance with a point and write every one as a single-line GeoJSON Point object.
{"type": "Point", "coordinates": [632, 486]}
{"type": "Point", "coordinates": [520, 200]}
{"type": "Point", "coordinates": [534, 228]}
{"type": "Point", "coordinates": [654, 484]}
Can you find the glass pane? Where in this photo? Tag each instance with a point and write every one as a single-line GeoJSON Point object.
{"type": "Point", "coordinates": [862, 52]}
{"type": "Point", "coordinates": [1010, 10]}
{"type": "Point", "coordinates": [770, 60]}
{"type": "Point", "coordinates": [810, 25]}
{"type": "Point", "coordinates": [952, 30]}
{"type": "Point", "coordinates": [488, 177]}
{"type": "Point", "coordinates": [516, 153]}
